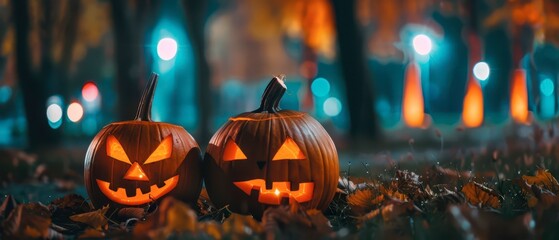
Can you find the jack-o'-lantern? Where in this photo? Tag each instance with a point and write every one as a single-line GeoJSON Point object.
{"type": "Point", "coordinates": [269, 157]}
{"type": "Point", "coordinates": [135, 163]}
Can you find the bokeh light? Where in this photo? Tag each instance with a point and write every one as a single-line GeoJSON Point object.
{"type": "Point", "coordinates": [332, 107]}
{"type": "Point", "coordinates": [90, 92]}
{"type": "Point", "coordinates": [167, 48]}
{"type": "Point", "coordinates": [547, 87]}
{"type": "Point", "coordinates": [5, 94]}
{"type": "Point", "coordinates": [54, 115]}
{"type": "Point", "coordinates": [481, 71]}
{"type": "Point", "coordinates": [422, 44]}
{"type": "Point", "coordinates": [54, 112]}
{"type": "Point", "coordinates": [320, 87]}
{"type": "Point", "coordinates": [75, 112]}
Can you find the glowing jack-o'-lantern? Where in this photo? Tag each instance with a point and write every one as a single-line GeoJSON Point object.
{"type": "Point", "coordinates": [271, 156]}
{"type": "Point", "coordinates": [137, 162]}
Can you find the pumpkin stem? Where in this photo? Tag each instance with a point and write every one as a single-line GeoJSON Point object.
{"type": "Point", "coordinates": [272, 95]}
{"type": "Point", "coordinates": [144, 108]}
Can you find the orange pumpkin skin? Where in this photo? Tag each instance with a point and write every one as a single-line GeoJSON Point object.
{"type": "Point", "coordinates": [271, 152]}
{"type": "Point", "coordinates": [138, 162]}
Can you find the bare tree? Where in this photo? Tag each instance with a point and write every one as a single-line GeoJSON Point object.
{"type": "Point", "coordinates": [363, 120]}
{"type": "Point", "coordinates": [196, 16]}
{"type": "Point", "coordinates": [33, 81]}
{"type": "Point", "coordinates": [130, 27]}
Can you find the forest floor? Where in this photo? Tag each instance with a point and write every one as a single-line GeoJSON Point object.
{"type": "Point", "coordinates": [424, 184]}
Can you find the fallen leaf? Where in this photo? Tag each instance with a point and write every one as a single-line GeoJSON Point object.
{"type": "Point", "coordinates": [7, 206]}
{"type": "Point", "coordinates": [62, 208]}
{"type": "Point", "coordinates": [394, 194]}
{"type": "Point", "coordinates": [364, 200]}
{"type": "Point", "coordinates": [545, 198]}
{"type": "Point", "coordinates": [346, 185]}
{"type": "Point", "coordinates": [172, 217]}
{"type": "Point", "coordinates": [481, 196]}
{"type": "Point", "coordinates": [210, 229]}
{"type": "Point", "coordinates": [391, 211]}
{"type": "Point", "coordinates": [239, 226]}
{"type": "Point", "coordinates": [30, 220]}
{"type": "Point", "coordinates": [527, 192]}
{"type": "Point", "coordinates": [132, 212]}
{"type": "Point", "coordinates": [95, 219]}
{"type": "Point", "coordinates": [408, 183]}
{"type": "Point", "coordinates": [543, 179]}
{"type": "Point", "coordinates": [284, 222]}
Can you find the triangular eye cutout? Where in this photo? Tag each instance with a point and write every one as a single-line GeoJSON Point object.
{"type": "Point", "coordinates": [115, 150]}
{"type": "Point", "coordinates": [163, 151]}
{"type": "Point", "coordinates": [289, 151]}
{"type": "Point", "coordinates": [232, 152]}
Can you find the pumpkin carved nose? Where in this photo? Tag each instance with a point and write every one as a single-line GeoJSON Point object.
{"type": "Point", "coordinates": [135, 172]}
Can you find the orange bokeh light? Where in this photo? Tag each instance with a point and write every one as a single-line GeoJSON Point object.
{"type": "Point", "coordinates": [519, 97]}
{"type": "Point", "coordinates": [472, 111]}
{"type": "Point", "coordinates": [412, 103]}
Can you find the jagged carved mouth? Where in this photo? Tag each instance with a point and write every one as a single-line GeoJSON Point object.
{"type": "Point", "coordinates": [279, 190]}
{"type": "Point", "coordinates": [120, 196]}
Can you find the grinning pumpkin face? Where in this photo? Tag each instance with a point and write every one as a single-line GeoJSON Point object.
{"type": "Point", "coordinates": [137, 162]}
{"type": "Point", "coordinates": [269, 156]}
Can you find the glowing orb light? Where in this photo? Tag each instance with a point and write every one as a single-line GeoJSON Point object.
{"type": "Point", "coordinates": [422, 44]}
{"type": "Point", "coordinates": [75, 112]}
{"type": "Point", "coordinates": [167, 48]}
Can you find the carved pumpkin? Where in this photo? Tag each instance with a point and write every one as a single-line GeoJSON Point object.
{"type": "Point", "coordinates": [271, 156]}
{"type": "Point", "coordinates": [137, 162]}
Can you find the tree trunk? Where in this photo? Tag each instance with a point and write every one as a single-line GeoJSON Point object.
{"type": "Point", "coordinates": [71, 21]}
{"type": "Point", "coordinates": [127, 51]}
{"type": "Point", "coordinates": [130, 24]}
{"type": "Point", "coordinates": [195, 11]}
{"type": "Point", "coordinates": [363, 120]}
{"type": "Point", "coordinates": [33, 85]}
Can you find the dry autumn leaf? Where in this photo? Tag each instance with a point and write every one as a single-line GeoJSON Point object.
{"type": "Point", "coordinates": [364, 200]}
{"type": "Point", "coordinates": [7, 206]}
{"type": "Point", "coordinates": [543, 179]}
{"type": "Point", "coordinates": [391, 211]}
{"type": "Point", "coordinates": [172, 217]}
{"type": "Point", "coordinates": [131, 212]}
{"type": "Point", "coordinates": [31, 220]}
{"type": "Point", "coordinates": [394, 194]}
{"type": "Point", "coordinates": [291, 220]}
{"type": "Point", "coordinates": [241, 226]}
{"type": "Point", "coordinates": [211, 229]}
{"type": "Point", "coordinates": [408, 183]}
{"type": "Point", "coordinates": [482, 196]}
{"type": "Point", "coordinates": [95, 219]}
{"type": "Point", "coordinates": [527, 192]}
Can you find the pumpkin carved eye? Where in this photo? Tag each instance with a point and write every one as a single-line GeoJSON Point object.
{"type": "Point", "coordinates": [163, 151]}
{"type": "Point", "coordinates": [116, 151]}
{"type": "Point", "coordinates": [233, 152]}
{"type": "Point", "coordinates": [289, 151]}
